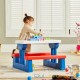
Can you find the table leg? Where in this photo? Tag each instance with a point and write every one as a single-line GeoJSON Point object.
{"type": "Point", "coordinates": [53, 52]}
{"type": "Point", "coordinates": [53, 63]}
{"type": "Point", "coordinates": [25, 65]}
{"type": "Point", "coordinates": [22, 48]}
{"type": "Point", "coordinates": [53, 47]}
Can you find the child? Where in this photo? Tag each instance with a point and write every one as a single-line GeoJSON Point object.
{"type": "Point", "coordinates": [26, 30]}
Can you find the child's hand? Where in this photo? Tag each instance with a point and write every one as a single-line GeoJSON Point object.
{"type": "Point", "coordinates": [40, 34]}
{"type": "Point", "coordinates": [31, 36]}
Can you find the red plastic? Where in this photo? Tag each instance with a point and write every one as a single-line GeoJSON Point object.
{"type": "Point", "coordinates": [78, 47]}
{"type": "Point", "coordinates": [31, 54]}
{"type": "Point", "coordinates": [67, 69]}
{"type": "Point", "coordinates": [44, 57]}
{"type": "Point", "coordinates": [15, 55]}
{"type": "Point", "coordinates": [40, 55]}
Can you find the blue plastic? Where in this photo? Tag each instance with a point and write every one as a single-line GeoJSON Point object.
{"type": "Point", "coordinates": [53, 52]}
{"type": "Point", "coordinates": [29, 65]}
{"type": "Point", "coordinates": [60, 65]}
{"type": "Point", "coordinates": [29, 78]}
{"type": "Point", "coordinates": [22, 46]}
{"type": "Point", "coordinates": [16, 60]}
{"type": "Point", "coordinates": [78, 74]}
{"type": "Point", "coordinates": [53, 47]}
{"type": "Point", "coordinates": [35, 38]}
{"type": "Point", "coordinates": [21, 63]}
{"type": "Point", "coordinates": [48, 63]}
{"type": "Point", "coordinates": [26, 65]}
{"type": "Point", "coordinates": [22, 54]}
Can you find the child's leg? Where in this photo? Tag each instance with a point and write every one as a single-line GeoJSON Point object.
{"type": "Point", "coordinates": [28, 49]}
{"type": "Point", "coordinates": [14, 50]}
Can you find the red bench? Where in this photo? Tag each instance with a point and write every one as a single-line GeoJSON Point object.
{"type": "Point", "coordinates": [38, 56]}
{"type": "Point", "coordinates": [32, 54]}
{"type": "Point", "coordinates": [45, 56]}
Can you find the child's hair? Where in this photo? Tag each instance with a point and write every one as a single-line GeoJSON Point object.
{"type": "Point", "coordinates": [27, 18]}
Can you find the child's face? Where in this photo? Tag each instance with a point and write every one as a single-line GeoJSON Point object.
{"type": "Point", "coordinates": [30, 22]}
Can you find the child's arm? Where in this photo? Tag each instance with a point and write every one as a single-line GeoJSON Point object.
{"type": "Point", "coordinates": [19, 36]}
{"type": "Point", "coordinates": [32, 31]}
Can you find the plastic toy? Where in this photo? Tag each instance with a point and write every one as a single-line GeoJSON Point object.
{"type": "Point", "coordinates": [67, 69]}
{"type": "Point", "coordinates": [78, 74]}
{"type": "Point", "coordinates": [29, 57]}
{"type": "Point", "coordinates": [29, 78]}
{"type": "Point", "coordinates": [47, 38]}
{"type": "Point", "coordinates": [36, 38]}
{"type": "Point", "coordinates": [77, 31]}
{"type": "Point", "coordinates": [54, 77]}
{"type": "Point", "coordinates": [73, 70]}
{"type": "Point", "coordinates": [63, 77]}
{"type": "Point", "coordinates": [78, 49]}
{"type": "Point", "coordinates": [23, 61]}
